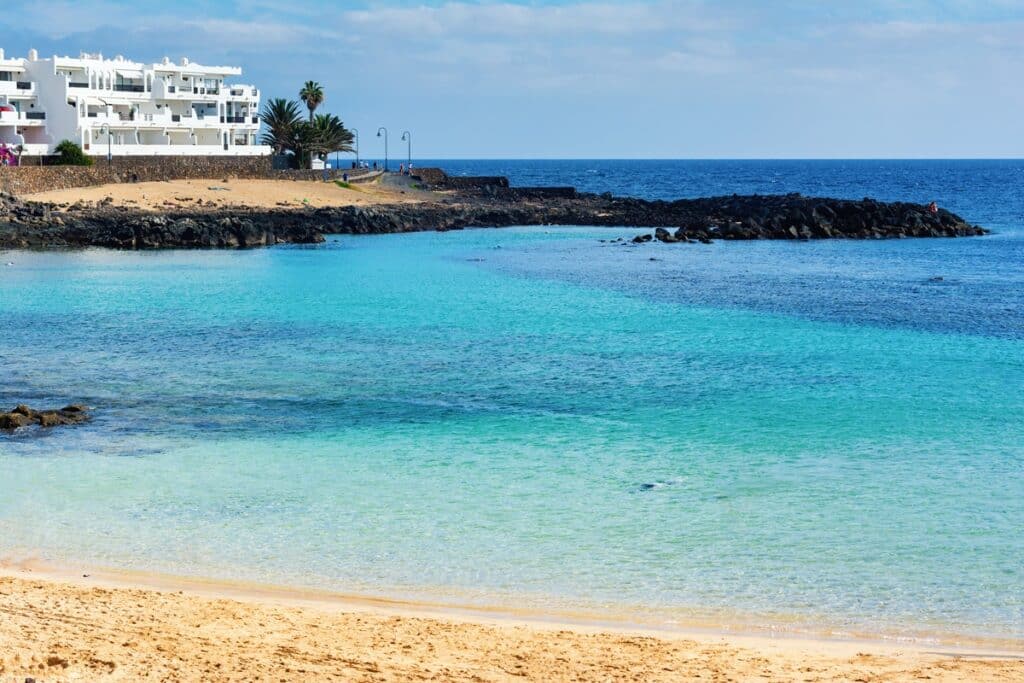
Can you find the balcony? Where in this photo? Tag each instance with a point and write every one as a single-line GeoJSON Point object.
{"type": "Point", "coordinates": [129, 87]}
{"type": "Point", "coordinates": [178, 149]}
{"type": "Point", "coordinates": [243, 92]}
{"type": "Point", "coordinates": [165, 119]}
{"type": "Point", "coordinates": [22, 118]}
{"type": "Point", "coordinates": [17, 88]}
{"type": "Point", "coordinates": [102, 118]}
{"type": "Point", "coordinates": [76, 84]}
{"type": "Point", "coordinates": [163, 90]}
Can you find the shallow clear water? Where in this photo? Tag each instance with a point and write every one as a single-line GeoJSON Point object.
{"type": "Point", "coordinates": [815, 431]}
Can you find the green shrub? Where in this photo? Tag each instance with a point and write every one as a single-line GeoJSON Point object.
{"type": "Point", "coordinates": [72, 155]}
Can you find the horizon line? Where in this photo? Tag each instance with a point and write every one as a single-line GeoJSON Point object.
{"type": "Point", "coordinates": [498, 158]}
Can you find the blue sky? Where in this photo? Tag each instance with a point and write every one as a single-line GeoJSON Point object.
{"type": "Point", "coordinates": [603, 79]}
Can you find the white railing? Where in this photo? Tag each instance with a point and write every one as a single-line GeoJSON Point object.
{"type": "Point", "coordinates": [149, 121]}
{"type": "Point", "coordinates": [98, 149]}
{"type": "Point", "coordinates": [246, 91]}
{"type": "Point", "coordinates": [29, 149]}
{"type": "Point", "coordinates": [18, 88]}
{"type": "Point", "coordinates": [22, 118]}
{"type": "Point", "coordinates": [101, 119]}
{"type": "Point", "coordinates": [171, 91]}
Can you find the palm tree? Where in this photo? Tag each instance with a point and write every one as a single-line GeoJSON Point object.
{"type": "Point", "coordinates": [330, 134]}
{"type": "Point", "coordinates": [313, 95]}
{"type": "Point", "coordinates": [282, 119]}
{"type": "Point", "coordinates": [324, 135]}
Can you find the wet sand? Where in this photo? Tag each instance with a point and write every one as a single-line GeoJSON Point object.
{"type": "Point", "coordinates": [119, 627]}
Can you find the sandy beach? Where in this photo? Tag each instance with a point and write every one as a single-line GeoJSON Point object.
{"type": "Point", "coordinates": [234, 193]}
{"type": "Point", "coordinates": [109, 627]}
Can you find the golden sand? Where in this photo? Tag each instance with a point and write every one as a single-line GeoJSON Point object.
{"type": "Point", "coordinates": [221, 193]}
{"type": "Point", "coordinates": [58, 628]}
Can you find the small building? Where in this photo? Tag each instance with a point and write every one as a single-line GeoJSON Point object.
{"type": "Point", "coordinates": [127, 108]}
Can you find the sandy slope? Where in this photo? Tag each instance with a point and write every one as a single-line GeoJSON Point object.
{"type": "Point", "coordinates": [89, 629]}
{"type": "Point", "coordinates": [220, 193]}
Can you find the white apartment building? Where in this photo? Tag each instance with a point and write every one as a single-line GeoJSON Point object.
{"type": "Point", "coordinates": [127, 108]}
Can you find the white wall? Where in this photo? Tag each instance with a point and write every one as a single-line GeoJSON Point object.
{"type": "Point", "coordinates": [62, 119]}
{"type": "Point", "coordinates": [51, 97]}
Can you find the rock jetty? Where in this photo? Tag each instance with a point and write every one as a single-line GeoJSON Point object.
{"type": "Point", "coordinates": [789, 217]}
{"type": "Point", "coordinates": [23, 416]}
{"type": "Point", "coordinates": [795, 217]}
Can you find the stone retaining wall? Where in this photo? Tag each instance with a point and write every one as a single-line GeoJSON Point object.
{"type": "Point", "coordinates": [31, 179]}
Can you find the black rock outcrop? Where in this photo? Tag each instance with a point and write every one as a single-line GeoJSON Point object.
{"type": "Point", "coordinates": [789, 217]}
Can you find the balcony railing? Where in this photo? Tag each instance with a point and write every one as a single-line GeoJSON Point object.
{"type": "Point", "coordinates": [21, 117]}
{"type": "Point", "coordinates": [255, 119]}
{"type": "Point", "coordinates": [172, 88]}
{"type": "Point", "coordinates": [175, 118]}
{"type": "Point", "coordinates": [17, 88]}
{"type": "Point", "coordinates": [129, 87]}
{"type": "Point", "coordinates": [74, 84]}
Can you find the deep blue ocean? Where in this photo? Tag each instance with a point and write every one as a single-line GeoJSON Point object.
{"type": "Point", "coordinates": [814, 436]}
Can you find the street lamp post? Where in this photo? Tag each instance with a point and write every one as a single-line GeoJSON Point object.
{"type": "Point", "coordinates": [408, 137]}
{"type": "Point", "coordinates": [106, 126]}
{"type": "Point", "coordinates": [355, 134]}
{"type": "Point", "coordinates": [384, 130]}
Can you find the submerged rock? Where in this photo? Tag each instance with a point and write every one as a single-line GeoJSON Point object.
{"type": "Point", "coordinates": [23, 416]}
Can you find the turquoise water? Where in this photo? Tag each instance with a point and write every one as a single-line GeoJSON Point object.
{"type": "Point", "coordinates": [819, 435]}
{"type": "Point", "coordinates": [419, 416]}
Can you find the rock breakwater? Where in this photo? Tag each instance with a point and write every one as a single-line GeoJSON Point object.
{"type": "Point", "coordinates": [790, 217]}
{"type": "Point", "coordinates": [794, 216]}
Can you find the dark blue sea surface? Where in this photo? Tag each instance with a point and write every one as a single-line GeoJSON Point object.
{"type": "Point", "coordinates": [987, 192]}
{"type": "Point", "coordinates": [972, 286]}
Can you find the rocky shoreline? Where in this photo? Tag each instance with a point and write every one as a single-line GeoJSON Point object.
{"type": "Point", "coordinates": [30, 225]}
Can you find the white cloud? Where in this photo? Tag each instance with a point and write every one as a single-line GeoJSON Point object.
{"type": "Point", "coordinates": [695, 56]}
